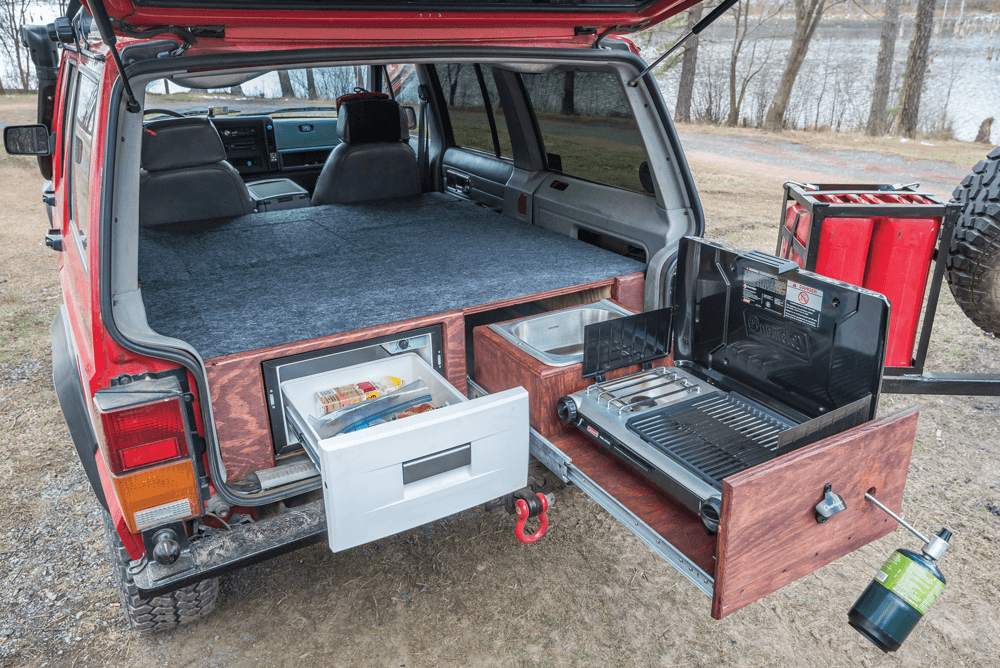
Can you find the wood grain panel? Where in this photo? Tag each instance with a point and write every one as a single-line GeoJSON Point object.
{"type": "Point", "coordinates": [768, 534]}
{"type": "Point", "coordinates": [603, 283]}
{"type": "Point", "coordinates": [629, 291]}
{"type": "Point", "coordinates": [237, 387]}
{"type": "Point", "coordinates": [678, 525]}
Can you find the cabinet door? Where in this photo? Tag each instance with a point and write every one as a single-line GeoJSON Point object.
{"type": "Point", "coordinates": [768, 534]}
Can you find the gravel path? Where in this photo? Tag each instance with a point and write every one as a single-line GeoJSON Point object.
{"type": "Point", "coordinates": [863, 166]}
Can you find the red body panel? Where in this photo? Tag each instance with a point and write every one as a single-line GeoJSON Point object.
{"type": "Point", "coordinates": [399, 27]}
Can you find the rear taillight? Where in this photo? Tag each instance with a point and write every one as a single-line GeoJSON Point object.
{"type": "Point", "coordinates": [141, 435]}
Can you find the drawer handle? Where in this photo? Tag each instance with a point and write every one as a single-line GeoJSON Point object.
{"type": "Point", "coordinates": [439, 462]}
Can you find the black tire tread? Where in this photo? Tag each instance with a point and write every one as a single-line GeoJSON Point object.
{"type": "Point", "coordinates": [163, 612]}
{"type": "Point", "coordinates": [973, 265]}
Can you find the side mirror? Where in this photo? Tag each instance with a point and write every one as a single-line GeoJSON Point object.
{"type": "Point", "coordinates": [411, 117]}
{"type": "Point", "coordinates": [26, 140]}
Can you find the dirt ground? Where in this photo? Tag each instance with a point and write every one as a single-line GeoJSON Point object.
{"type": "Point", "coordinates": [464, 591]}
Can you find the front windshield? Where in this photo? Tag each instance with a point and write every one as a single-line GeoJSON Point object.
{"type": "Point", "coordinates": [302, 92]}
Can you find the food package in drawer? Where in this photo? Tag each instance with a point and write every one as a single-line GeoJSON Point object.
{"type": "Point", "coordinates": [399, 474]}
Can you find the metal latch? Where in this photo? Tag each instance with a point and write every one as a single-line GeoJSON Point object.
{"type": "Point", "coordinates": [830, 505]}
{"type": "Point", "coordinates": [54, 239]}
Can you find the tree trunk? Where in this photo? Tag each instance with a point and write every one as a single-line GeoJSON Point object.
{"type": "Point", "coordinates": [568, 105]}
{"type": "Point", "coordinates": [311, 84]}
{"type": "Point", "coordinates": [983, 136]}
{"type": "Point", "coordinates": [883, 70]}
{"type": "Point", "coordinates": [453, 83]}
{"type": "Point", "coordinates": [166, 87]}
{"type": "Point", "coordinates": [688, 65]}
{"type": "Point", "coordinates": [807, 17]}
{"type": "Point", "coordinates": [916, 66]}
{"type": "Point", "coordinates": [286, 84]}
{"type": "Point", "coordinates": [734, 57]}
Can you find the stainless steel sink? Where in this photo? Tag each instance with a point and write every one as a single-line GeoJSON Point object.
{"type": "Point", "coordinates": [556, 338]}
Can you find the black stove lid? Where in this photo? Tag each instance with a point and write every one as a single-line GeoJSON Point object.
{"type": "Point", "coordinates": [809, 342]}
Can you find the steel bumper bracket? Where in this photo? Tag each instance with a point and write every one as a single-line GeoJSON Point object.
{"type": "Point", "coordinates": [243, 545]}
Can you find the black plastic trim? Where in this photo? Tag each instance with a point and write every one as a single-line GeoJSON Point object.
{"type": "Point", "coordinates": [73, 402]}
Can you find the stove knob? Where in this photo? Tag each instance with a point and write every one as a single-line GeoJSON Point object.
{"type": "Point", "coordinates": [566, 408]}
{"type": "Point", "coordinates": [711, 513]}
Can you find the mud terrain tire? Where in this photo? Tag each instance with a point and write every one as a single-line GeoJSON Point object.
{"type": "Point", "coordinates": [163, 612]}
{"type": "Point", "coordinates": [974, 254]}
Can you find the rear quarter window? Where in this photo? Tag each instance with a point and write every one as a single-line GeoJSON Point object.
{"type": "Point", "coordinates": [587, 126]}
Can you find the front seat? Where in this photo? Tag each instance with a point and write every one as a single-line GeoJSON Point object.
{"type": "Point", "coordinates": [185, 175]}
{"type": "Point", "coordinates": [374, 160]}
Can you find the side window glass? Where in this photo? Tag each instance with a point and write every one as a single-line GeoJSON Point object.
{"type": "Point", "coordinates": [81, 146]}
{"type": "Point", "coordinates": [474, 117]}
{"type": "Point", "coordinates": [587, 127]}
{"type": "Point", "coordinates": [66, 131]}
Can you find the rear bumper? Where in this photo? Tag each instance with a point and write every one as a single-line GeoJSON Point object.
{"type": "Point", "coordinates": [244, 545]}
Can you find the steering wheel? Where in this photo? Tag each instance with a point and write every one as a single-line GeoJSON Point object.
{"type": "Point", "coordinates": [167, 112]}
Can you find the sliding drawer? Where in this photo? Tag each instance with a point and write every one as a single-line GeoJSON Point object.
{"type": "Point", "coordinates": [399, 475]}
{"type": "Point", "coordinates": [768, 532]}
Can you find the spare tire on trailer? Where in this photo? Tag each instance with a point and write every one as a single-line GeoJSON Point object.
{"type": "Point", "coordinates": [974, 253]}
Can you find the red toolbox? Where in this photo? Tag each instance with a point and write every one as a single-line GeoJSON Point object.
{"type": "Point", "coordinates": [878, 236]}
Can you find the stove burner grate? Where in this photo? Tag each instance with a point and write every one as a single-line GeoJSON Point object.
{"type": "Point", "coordinates": [713, 436]}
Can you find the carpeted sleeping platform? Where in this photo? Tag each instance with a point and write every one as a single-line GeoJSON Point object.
{"type": "Point", "coordinates": [233, 285]}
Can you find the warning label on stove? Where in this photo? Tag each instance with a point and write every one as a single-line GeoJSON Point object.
{"type": "Point", "coordinates": [791, 300]}
{"type": "Point", "coordinates": [764, 290]}
{"type": "Point", "coordinates": [803, 304]}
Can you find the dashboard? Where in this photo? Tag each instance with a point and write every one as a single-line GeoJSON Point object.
{"type": "Point", "coordinates": [295, 148]}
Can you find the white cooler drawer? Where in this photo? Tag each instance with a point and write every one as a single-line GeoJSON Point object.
{"type": "Point", "coordinates": [399, 475]}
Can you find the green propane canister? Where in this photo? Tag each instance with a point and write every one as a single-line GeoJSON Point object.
{"type": "Point", "coordinates": [902, 591]}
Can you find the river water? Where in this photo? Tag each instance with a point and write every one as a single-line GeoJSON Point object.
{"type": "Point", "coordinates": [961, 89]}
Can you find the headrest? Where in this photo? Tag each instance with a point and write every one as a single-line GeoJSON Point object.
{"type": "Point", "coordinates": [172, 143]}
{"type": "Point", "coordinates": [367, 120]}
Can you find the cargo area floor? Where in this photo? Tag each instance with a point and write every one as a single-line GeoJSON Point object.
{"type": "Point", "coordinates": [233, 285]}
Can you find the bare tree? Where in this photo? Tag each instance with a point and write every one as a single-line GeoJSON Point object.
{"type": "Point", "coordinates": [688, 66]}
{"type": "Point", "coordinates": [311, 84]}
{"type": "Point", "coordinates": [285, 81]}
{"type": "Point", "coordinates": [916, 66]}
{"type": "Point", "coordinates": [452, 81]}
{"type": "Point", "coordinates": [743, 33]}
{"type": "Point", "coordinates": [14, 14]}
{"type": "Point", "coordinates": [568, 103]}
{"type": "Point", "coordinates": [883, 69]}
{"type": "Point", "coordinates": [808, 14]}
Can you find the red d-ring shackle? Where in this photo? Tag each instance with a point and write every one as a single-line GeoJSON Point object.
{"type": "Point", "coordinates": [521, 508]}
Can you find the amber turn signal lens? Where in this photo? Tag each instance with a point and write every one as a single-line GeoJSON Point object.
{"type": "Point", "coordinates": [157, 495]}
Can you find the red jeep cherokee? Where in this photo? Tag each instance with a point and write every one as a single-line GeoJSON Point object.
{"type": "Point", "coordinates": [267, 210]}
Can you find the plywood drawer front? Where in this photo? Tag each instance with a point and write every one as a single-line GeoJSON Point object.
{"type": "Point", "coordinates": [768, 535]}
{"type": "Point", "coordinates": [393, 477]}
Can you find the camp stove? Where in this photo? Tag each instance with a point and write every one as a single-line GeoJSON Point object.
{"type": "Point", "coordinates": [757, 375]}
